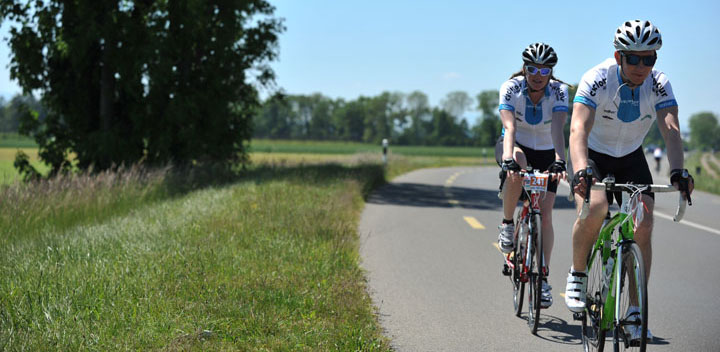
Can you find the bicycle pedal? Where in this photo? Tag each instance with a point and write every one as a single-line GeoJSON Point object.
{"type": "Point", "coordinates": [578, 316]}
{"type": "Point", "coordinates": [506, 270]}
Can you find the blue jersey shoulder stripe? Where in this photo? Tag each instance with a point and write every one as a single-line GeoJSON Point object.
{"type": "Point", "coordinates": [560, 108]}
{"type": "Point", "coordinates": [506, 107]}
{"type": "Point", "coordinates": [583, 100]}
{"type": "Point", "coordinates": [666, 104]}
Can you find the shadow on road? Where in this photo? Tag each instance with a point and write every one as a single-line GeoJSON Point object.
{"type": "Point", "coordinates": [423, 195]}
{"type": "Point", "coordinates": [557, 330]}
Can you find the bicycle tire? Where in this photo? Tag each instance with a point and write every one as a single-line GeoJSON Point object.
{"type": "Point", "coordinates": [518, 283]}
{"type": "Point", "coordinates": [536, 275]}
{"type": "Point", "coordinates": [593, 336]}
{"type": "Point", "coordinates": [633, 269]}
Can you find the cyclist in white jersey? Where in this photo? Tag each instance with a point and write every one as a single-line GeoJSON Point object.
{"type": "Point", "coordinates": [614, 107]}
{"type": "Point", "coordinates": [533, 108]}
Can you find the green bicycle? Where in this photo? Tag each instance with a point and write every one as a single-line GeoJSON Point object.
{"type": "Point", "coordinates": [616, 299]}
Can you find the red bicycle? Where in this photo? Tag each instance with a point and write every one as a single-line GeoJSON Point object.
{"type": "Point", "coordinates": [522, 264]}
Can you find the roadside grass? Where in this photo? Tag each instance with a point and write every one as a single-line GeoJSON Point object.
{"type": "Point", "coordinates": [201, 259]}
{"type": "Point", "coordinates": [703, 181]}
{"type": "Point", "coordinates": [266, 262]}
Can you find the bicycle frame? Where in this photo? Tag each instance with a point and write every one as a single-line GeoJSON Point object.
{"type": "Point", "coordinates": [625, 224]}
{"type": "Point", "coordinates": [624, 221]}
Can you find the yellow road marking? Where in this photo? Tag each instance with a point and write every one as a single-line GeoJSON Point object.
{"type": "Point", "coordinates": [474, 223]}
{"type": "Point", "coordinates": [497, 247]}
{"type": "Point", "coordinates": [562, 295]}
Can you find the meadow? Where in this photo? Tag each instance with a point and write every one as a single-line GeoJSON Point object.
{"type": "Point", "coordinates": [264, 259]}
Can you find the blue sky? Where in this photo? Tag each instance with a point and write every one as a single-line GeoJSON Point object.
{"type": "Point", "coordinates": [350, 48]}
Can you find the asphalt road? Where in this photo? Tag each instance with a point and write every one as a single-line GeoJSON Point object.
{"type": "Point", "coordinates": [437, 284]}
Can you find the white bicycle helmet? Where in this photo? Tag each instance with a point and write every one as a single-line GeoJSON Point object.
{"type": "Point", "coordinates": [637, 36]}
{"type": "Point", "coordinates": [541, 54]}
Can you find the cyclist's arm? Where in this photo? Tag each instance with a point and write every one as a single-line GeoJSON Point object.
{"type": "Point", "coordinates": [508, 120]}
{"type": "Point", "coordinates": [580, 125]}
{"type": "Point", "coordinates": [558, 136]}
{"type": "Point", "coordinates": [669, 127]}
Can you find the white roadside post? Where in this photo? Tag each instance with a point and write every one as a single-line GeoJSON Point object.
{"type": "Point", "coordinates": [385, 148]}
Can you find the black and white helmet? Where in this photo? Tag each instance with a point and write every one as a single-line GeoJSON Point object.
{"type": "Point", "coordinates": [637, 36]}
{"type": "Point", "coordinates": [541, 54]}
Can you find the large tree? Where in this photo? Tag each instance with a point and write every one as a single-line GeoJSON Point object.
{"type": "Point", "coordinates": [154, 80]}
{"type": "Point", "coordinates": [704, 131]}
{"type": "Point", "coordinates": [456, 103]}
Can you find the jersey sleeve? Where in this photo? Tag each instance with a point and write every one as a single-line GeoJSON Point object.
{"type": "Point", "coordinates": [561, 98]}
{"type": "Point", "coordinates": [664, 97]}
{"type": "Point", "coordinates": [507, 95]}
{"type": "Point", "coordinates": [589, 87]}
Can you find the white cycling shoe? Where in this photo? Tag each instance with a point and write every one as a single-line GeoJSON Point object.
{"type": "Point", "coordinates": [505, 239]}
{"type": "Point", "coordinates": [575, 291]}
{"type": "Point", "coordinates": [633, 313]}
{"type": "Point", "coordinates": [546, 299]}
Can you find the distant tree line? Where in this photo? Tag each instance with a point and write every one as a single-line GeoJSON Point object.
{"type": "Point", "coordinates": [405, 119]}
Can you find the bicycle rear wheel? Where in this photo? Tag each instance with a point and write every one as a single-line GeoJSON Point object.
{"type": "Point", "coordinates": [631, 327]}
{"type": "Point", "coordinates": [536, 275]}
{"type": "Point", "coordinates": [593, 336]}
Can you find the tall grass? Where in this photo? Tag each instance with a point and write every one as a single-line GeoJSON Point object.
{"type": "Point", "coordinates": [703, 181]}
{"type": "Point", "coordinates": [166, 260]}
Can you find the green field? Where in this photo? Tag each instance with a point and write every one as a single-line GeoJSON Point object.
{"type": "Point", "coordinates": [315, 147]}
{"type": "Point", "coordinates": [290, 152]}
{"type": "Point", "coordinates": [13, 140]}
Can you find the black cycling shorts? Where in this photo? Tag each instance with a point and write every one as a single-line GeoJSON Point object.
{"type": "Point", "coordinates": [631, 168]}
{"type": "Point", "coordinates": [538, 159]}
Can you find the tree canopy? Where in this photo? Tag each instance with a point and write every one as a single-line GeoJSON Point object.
{"type": "Point", "coordinates": [141, 80]}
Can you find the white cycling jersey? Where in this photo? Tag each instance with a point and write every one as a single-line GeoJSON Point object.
{"type": "Point", "coordinates": [622, 116]}
{"type": "Point", "coordinates": [533, 121]}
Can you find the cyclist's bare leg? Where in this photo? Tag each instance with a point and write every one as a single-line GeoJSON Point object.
{"type": "Point", "coordinates": [585, 231]}
{"type": "Point", "coordinates": [643, 238]}
{"type": "Point", "coordinates": [548, 234]}
{"type": "Point", "coordinates": [513, 186]}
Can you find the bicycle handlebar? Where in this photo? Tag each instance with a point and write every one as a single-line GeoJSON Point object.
{"type": "Point", "coordinates": [630, 187]}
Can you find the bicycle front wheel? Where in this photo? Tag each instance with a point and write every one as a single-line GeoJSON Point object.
{"type": "Point", "coordinates": [518, 260]}
{"type": "Point", "coordinates": [593, 336]}
{"type": "Point", "coordinates": [536, 274]}
{"type": "Point", "coordinates": [518, 264]}
{"type": "Point", "coordinates": [632, 305]}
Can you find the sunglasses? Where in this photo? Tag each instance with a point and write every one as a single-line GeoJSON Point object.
{"type": "Point", "coordinates": [534, 70]}
{"type": "Point", "coordinates": [634, 60]}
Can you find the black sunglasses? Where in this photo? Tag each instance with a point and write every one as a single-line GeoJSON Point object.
{"type": "Point", "coordinates": [634, 60]}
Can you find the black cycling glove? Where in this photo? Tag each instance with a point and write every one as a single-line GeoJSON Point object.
{"type": "Point", "coordinates": [510, 165]}
{"type": "Point", "coordinates": [683, 178]}
{"type": "Point", "coordinates": [579, 175]}
{"type": "Point", "coordinates": [557, 167]}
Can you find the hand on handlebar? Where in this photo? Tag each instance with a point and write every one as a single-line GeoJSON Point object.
{"type": "Point", "coordinates": [511, 167]}
{"type": "Point", "coordinates": [558, 170]}
{"type": "Point", "coordinates": [579, 182]}
{"type": "Point", "coordinates": [684, 182]}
